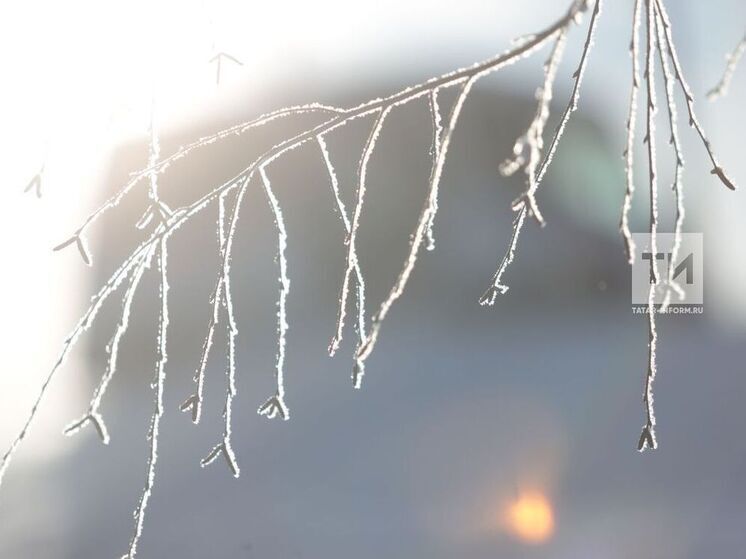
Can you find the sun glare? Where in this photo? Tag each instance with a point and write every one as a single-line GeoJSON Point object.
{"type": "Point", "coordinates": [530, 518]}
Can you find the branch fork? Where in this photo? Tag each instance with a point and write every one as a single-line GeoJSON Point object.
{"type": "Point", "coordinates": [79, 242]}
{"type": "Point", "coordinates": [191, 405]}
{"type": "Point", "coordinates": [274, 407]}
{"type": "Point", "coordinates": [94, 418]}
{"type": "Point", "coordinates": [225, 450]}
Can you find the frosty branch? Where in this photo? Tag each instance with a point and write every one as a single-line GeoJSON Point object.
{"type": "Point", "coordinates": [732, 60]}
{"type": "Point", "coordinates": [529, 155]}
{"type": "Point", "coordinates": [659, 40]}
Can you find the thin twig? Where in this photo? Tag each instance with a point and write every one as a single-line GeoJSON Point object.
{"type": "Point", "coordinates": [629, 151]}
{"type": "Point", "coordinates": [351, 241]}
{"type": "Point", "coordinates": [678, 185]}
{"type": "Point", "coordinates": [717, 170]}
{"type": "Point", "coordinates": [219, 297]}
{"type": "Point", "coordinates": [275, 405]}
{"type": "Point", "coordinates": [93, 414]}
{"type": "Point", "coordinates": [436, 172]}
{"type": "Point", "coordinates": [359, 281]}
{"type": "Point", "coordinates": [434, 107]}
{"type": "Point", "coordinates": [732, 59]}
{"type": "Point", "coordinates": [158, 209]}
{"type": "Point", "coordinates": [171, 223]}
{"type": "Point", "coordinates": [225, 447]}
{"type": "Point", "coordinates": [160, 379]}
{"type": "Point", "coordinates": [344, 116]}
{"type": "Point", "coordinates": [647, 438]}
{"type": "Point", "coordinates": [83, 325]}
{"type": "Point", "coordinates": [489, 296]}
{"type": "Point", "coordinates": [35, 183]}
{"type": "Point", "coordinates": [534, 136]}
{"type": "Point", "coordinates": [182, 152]}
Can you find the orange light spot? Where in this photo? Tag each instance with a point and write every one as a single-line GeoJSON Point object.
{"type": "Point", "coordinates": [530, 518]}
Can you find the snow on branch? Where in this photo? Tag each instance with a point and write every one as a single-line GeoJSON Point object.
{"type": "Point", "coordinates": [83, 325]}
{"type": "Point", "coordinates": [423, 225]}
{"type": "Point", "coordinates": [677, 186]}
{"type": "Point", "coordinates": [717, 170]}
{"type": "Point", "coordinates": [223, 295]}
{"type": "Point", "coordinates": [732, 60]}
{"type": "Point", "coordinates": [523, 205]}
{"type": "Point", "coordinates": [275, 405]}
{"type": "Point", "coordinates": [629, 150]}
{"type": "Point", "coordinates": [359, 280]}
{"type": "Point", "coordinates": [160, 381]}
{"type": "Point", "coordinates": [160, 221]}
{"type": "Point", "coordinates": [93, 415]}
{"type": "Point", "coordinates": [647, 438]}
{"type": "Point", "coordinates": [660, 41]}
{"type": "Point", "coordinates": [352, 261]}
{"type": "Point", "coordinates": [435, 152]}
{"type": "Point", "coordinates": [534, 136]}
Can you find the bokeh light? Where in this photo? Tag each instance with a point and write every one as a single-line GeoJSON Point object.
{"type": "Point", "coordinates": [529, 517]}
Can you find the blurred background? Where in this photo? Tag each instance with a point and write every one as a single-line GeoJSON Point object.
{"type": "Point", "coordinates": [478, 432]}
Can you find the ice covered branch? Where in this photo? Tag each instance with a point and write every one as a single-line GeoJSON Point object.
{"type": "Point", "coordinates": [677, 186]}
{"type": "Point", "coordinates": [352, 261]}
{"type": "Point", "coordinates": [660, 41]}
{"type": "Point", "coordinates": [93, 414]}
{"type": "Point", "coordinates": [159, 222]}
{"type": "Point", "coordinates": [359, 280]}
{"type": "Point", "coordinates": [732, 60]}
{"type": "Point", "coordinates": [629, 151]}
{"type": "Point", "coordinates": [533, 139]}
{"type": "Point", "coordinates": [523, 204]}
{"type": "Point", "coordinates": [160, 380]}
{"type": "Point", "coordinates": [223, 294]}
{"type": "Point", "coordinates": [717, 170]}
{"type": "Point", "coordinates": [424, 222]}
{"type": "Point", "coordinates": [647, 438]}
{"type": "Point", "coordinates": [83, 325]}
{"type": "Point", "coordinates": [163, 164]}
{"type": "Point", "coordinates": [334, 118]}
{"type": "Point", "coordinates": [275, 405]}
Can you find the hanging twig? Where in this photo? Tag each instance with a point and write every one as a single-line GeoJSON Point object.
{"type": "Point", "coordinates": [534, 136]}
{"type": "Point", "coordinates": [352, 256]}
{"type": "Point", "coordinates": [35, 183]}
{"type": "Point", "coordinates": [489, 296]}
{"type": "Point", "coordinates": [423, 223]}
{"type": "Point", "coordinates": [160, 380]}
{"type": "Point", "coordinates": [732, 59]}
{"type": "Point", "coordinates": [332, 118]}
{"type": "Point", "coordinates": [218, 60]}
{"type": "Point", "coordinates": [678, 185]}
{"type": "Point", "coordinates": [717, 170]}
{"type": "Point", "coordinates": [220, 295]}
{"type": "Point", "coordinates": [275, 405]}
{"type": "Point", "coordinates": [629, 151]}
{"type": "Point", "coordinates": [93, 415]}
{"type": "Point", "coordinates": [225, 447]}
{"type": "Point", "coordinates": [359, 280]}
{"type": "Point", "coordinates": [647, 438]}
{"type": "Point", "coordinates": [339, 118]}
{"type": "Point", "coordinates": [434, 106]}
